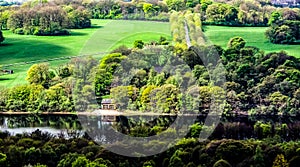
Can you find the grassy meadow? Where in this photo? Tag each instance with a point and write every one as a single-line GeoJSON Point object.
{"type": "Point", "coordinates": [254, 36]}
{"type": "Point", "coordinates": [104, 36]}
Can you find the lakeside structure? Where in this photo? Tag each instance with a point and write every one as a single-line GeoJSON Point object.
{"type": "Point", "coordinates": [108, 104]}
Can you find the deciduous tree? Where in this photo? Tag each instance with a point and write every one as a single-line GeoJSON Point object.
{"type": "Point", "coordinates": [39, 74]}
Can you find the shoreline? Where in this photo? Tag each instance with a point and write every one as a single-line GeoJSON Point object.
{"type": "Point", "coordinates": [99, 113]}
{"type": "Point", "coordinates": [128, 113]}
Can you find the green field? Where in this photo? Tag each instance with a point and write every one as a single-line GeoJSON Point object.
{"type": "Point", "coordinates": [102, 37]}
{"type": "Point", "coordinates": [254, 36]}
{"type": "Point", "coordinates": [106, 35]}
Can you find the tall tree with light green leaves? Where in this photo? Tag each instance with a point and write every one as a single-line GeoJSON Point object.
{"type": "Point", "coordinates": [39, 74]}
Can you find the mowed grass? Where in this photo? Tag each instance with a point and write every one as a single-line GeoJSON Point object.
{"type": "Point", "coordinates": [124, 32]}
{"type": "Point", "coordinates": [104, 36]}
{"type": "Point", "coordinates": [254, 36]}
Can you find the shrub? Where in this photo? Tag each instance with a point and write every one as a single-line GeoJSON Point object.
{"type": "Point", "coordinates": [233, 151]}
{"type": "Point", "coordinates": [138, 44]}
{"type": "Point", "coordinates": [2, 159]}
{"type": "Point", "coordinates": [236, 43]}
{"type": "Point", "coordinates": [123, 49]}
{"type": "Point", "coordinates": [280, 34]}
{"type": "Point", "coordinates": [80, 162]}
{"type": "Point", "coordinates": [19, 31]}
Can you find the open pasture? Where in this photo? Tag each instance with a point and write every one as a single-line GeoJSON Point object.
{"type": "Point", "coordinates": [104, 36]}
{"type": "Point", "coordinates": [254, 36]}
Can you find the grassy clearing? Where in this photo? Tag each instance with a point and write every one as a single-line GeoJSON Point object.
{"type": "Point", "coordinates": [124, 32]}
{"type": "Point", "coordinates": [254, 36]}
{"type": "Point", "coordinates": [103, 37]}
{"type": "Point", "coordinates": [21, 48]}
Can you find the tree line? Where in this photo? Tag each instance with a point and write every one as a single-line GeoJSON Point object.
{"type": "Point", "coordinates": [37, 18]}
{"type": "Point", "coordinates": [186, 27]}
{"type": "Point", "coordinates": [40, 149]}
{"type": "Point", "coordinates": [235, 13]}
{"type": "Point", "coordinates": [45, 18]}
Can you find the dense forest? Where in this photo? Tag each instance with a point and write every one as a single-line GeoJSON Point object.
{"type": "Point", "coordinates": [256, 83]}
{"type": "Point", "coordinates": [41, 149]}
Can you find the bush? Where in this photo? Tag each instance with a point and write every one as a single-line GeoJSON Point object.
{"type": "Point", "coordinates": [123, 49]}
{"type": "Point", "coordinates": [19, 31]}
{"type": "Point", "coordinates": [138, 44]}
{"type": "Point", "coordinates": [195, 130]}
{"type": "Point", "coordinates": [80, 162]}
{"type": "Point", "coordinates": [46, 32]}
{"type": "Point", "coordinates": [280, 34]}
{"type": "Point", "coordinates": [236, 43]}
{"type": "Point", "coordinates": [2, 159]}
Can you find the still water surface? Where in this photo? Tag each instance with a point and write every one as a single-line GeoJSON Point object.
{"type": "Point", "coordinates": [70, 125]}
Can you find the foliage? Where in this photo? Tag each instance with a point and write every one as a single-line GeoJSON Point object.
{"type": "Point", "coordinates": [280, 35]}
{"type": "Point", "coordinates": [259, 157]}
{"type": "Point", "coordinates": [106, 68]}
{"type": "Point", "coordinates": [176, 5]}
{"type": "Point", "coordinates": [60, 51]}
{"type": "Point", "coordinates": [284, 27]}
{"type": "Point", "coordinates": [78, 17]}
{"type": "Point", "coordinates": [274, 92]}
{"type": "Point", "coordinates": [190, 152]}
{"type": "Point", "coordinates": [4, 16]}
{"type": "Point", "coordinates": [48, 19]}
{"type": "Point", "coordinates": [2, 159]}
{"type": "Point", "coordinates": [186, 28]}
{"type": "Point", "coordinates": [231, 149]}
{"type": "Point", "coordinates": [222, 163]}
{"type": "Point", "coordinates": [138, 44]}
{"type": "Point", "coordinates": [221, 14]}
{"type": "Point", "coordinates": [280, 161]}
{"type": "Point", "coordinates": [39, 74]}
{"type": "Point", "coordinates": [236, 43]}
{"type": "Point", "coordinates": [124, 96]}
{"type": "Point", "coordinates": [80, 161]}
{"type": "Point", "coordinates": [24, 21]}
{"type": "Point", "coordinates": [195, 130]}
